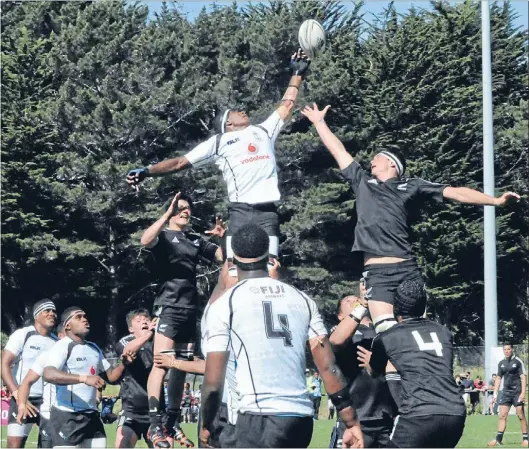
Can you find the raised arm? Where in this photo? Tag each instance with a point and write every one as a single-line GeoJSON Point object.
{"type": "Point", "coordinates": [348, 326]}
{"type": "Point", "coordinates": [298, 65]}
{"type": "Point", "coordinates": [136, 176]}
{"type": "Point", "coordinates": [150, 236]}
{"type": "Point", "coordinates": [471, 196]}
{"type": "Point", "coordinates": [331, 142]}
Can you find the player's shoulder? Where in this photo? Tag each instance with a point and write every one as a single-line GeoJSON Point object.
{"type": "Point", "coordinates": [94, 346]}
{"type": "Point", "coordinates": [126, 339]}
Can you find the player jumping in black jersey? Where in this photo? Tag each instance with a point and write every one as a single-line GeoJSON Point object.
{"type": "Point", "coordinates": [512, 370]}
{"type": "Point", "coordinates": [20, 352]}
{"type": "Point", "coordinates": [432, 412]}
{"type": "Point", "coordinates": [371, 396]}
{"type": "Point", "coordinates": [133, 422]}
{"type": "Point", "coordinates": [177, 254]}
{"type": "Point", "coordinates": [383, 202]}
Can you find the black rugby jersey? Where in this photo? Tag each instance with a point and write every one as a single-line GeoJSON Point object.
{"type": "Point", "coordinates": [382, 228]}
{"type": "Point", "coordinates": [177, 255]}
{"type": "Point", "coordinates": [422, 352]}
{"type": "Point", "coordinates": [371, 396]}
{"type": "Point", "coordinates": [510, 370]}
{"type": "Point", "coordinates": [133, 389]}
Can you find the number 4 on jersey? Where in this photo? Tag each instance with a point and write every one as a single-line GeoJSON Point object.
{"type": "Point", "coordinates": [284, 332]}
{"type": "Point", "coordinates": [434, 345]}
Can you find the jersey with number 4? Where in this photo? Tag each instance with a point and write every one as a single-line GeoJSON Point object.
{"type": "Point", "coordinates": [266, 324]}
{"type": "Point", "coordinates": [247, 161]}
{"type": "Point", "coordinates": [422, 352]}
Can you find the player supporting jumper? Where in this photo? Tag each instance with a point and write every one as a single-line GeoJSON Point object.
{"type": "Point", "coordinates": [371, 395]}
{"type": "Point", "coordinates": [512, 370]}
{"type": "Point", "coordinates": [266, 324]}
{"type": "Point", "coordinates": [26, 410]}
{"type": "Point", "coordinates": [383, 202]}
{"type": "Point", "coordinates": [177, 255]}
{"type": "Point", "coordinates": [245, 155]}
{"type": "Point", "coordinates": [432, 413]}
{"type": "Point", "coordinates": [74, 365]}
{"type": "Point", "coordinates": [20, 352]}
{"type": "Point", "coordinates": [133, 423]}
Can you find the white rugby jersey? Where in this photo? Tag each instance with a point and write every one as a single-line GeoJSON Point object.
{"type": "Point", "coordinates": [266, 323]}
{"type": "Point", "coordinates": [27, 344]}
{"type": "Point", "coordinates": [247, 161]}
{"type": "Point", "coordinates": [48, 392]}
{"type": "Point", "coordinates": [230, 395]}
{"type": "Point", "coordinates": [76, 358]}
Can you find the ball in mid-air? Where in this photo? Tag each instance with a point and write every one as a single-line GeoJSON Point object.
{"type": "Point", "coordinates": [311, 38]}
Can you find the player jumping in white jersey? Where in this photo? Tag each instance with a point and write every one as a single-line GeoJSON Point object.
{"type": "Point", "coordinates": [26, 410]}
{"type": "Point", "coordinates": [74, 365]}
{"type": "Point", "coordinates": [21, 351]}
{"type": "Point", "coordinates": [265, 324]}
{"type": "Point", "coordinates": [245, 155]}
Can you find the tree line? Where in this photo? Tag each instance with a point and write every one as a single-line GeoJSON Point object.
{"type": "Point", "coordinates": [93, 89]}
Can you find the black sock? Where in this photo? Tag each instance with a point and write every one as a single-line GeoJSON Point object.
{"type": "Point", "coordinates": [155, 414]}
{"type": "Point", "coordinates": [175, 388]}
{"type": "Point", "coordinates": [499, 437]}
{"type": "Point", "coordinates": [525, 437]}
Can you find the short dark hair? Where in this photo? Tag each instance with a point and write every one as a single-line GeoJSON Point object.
{"type": "Point", "coordinates": [250, 241]}
{"type": "Point", "coordinates": [507, 344]}
{"type": "Point", "coordinates": [68, 311]}
{"type": "Point", "coordinates": [134, 313]}
{"type": "Point", "coordinates": [410, 300]}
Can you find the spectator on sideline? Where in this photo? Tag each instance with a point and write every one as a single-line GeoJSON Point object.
{"type": "Point", "coordinates": [185, 406]}
{"type": "Point", "coordinates": [491, 409]}
{"type": "Point", "coordinates": [5, 393]}
{"type": "Point", "coordinates": [330, 405]}
{"type": "Point", "coordinates": [315, 389]}
{"type": "Point", "coordinates": [468, 385]}
{"type": "Point", "coordinates": [107, 409]}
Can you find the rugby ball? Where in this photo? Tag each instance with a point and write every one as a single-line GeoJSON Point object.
{"type": "Point", "coordinates": [311, 38]}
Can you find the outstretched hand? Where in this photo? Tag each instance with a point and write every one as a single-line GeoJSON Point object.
{"type": "Point", "coordinates": [507, 198]}
{"type": "Point", "coordinates": [174, 205]}
{"type": "Point", "coordinates": [219, 229]}
{"type": "Point", "coordinates": [314, 114]}
{"type": "Point", "coordinates": [299, 63]}
{"type": "Point", "coordinates": [136, 176]}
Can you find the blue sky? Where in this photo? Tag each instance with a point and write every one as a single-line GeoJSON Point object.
{"type": "Point", "coordinates": [192, 8]}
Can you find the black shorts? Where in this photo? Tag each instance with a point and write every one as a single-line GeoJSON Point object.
{"type": "Point", "coordinates": [13, 411]}
{"type": "Point", "coordinates": [72, 428]}
{"type": "Point", "coordinates": [177, 323]}
{"type": "Point", "coordinates": [510, 398]}
{"type": "Point", "coordinates": [46, 433]}
{"type": "Point", "coordinates": [427, 431]}
{"type": "Point", "coordinates": [139, 424]}
{"type": "Point", "coordinates": [220, 423]}
{"type": "Point", "coordinates": [376, 433]}
{"type": "Point", "coordinates": [382, 279]}
{"type": "Point", "coordinates": [227, 436]}
{"type": "Point", "coordinates": [264, 214]}
{"type": "Point", "coordinates": [273, 431]}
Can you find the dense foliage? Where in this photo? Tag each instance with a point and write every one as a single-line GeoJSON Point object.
{"type": "Point", "coordinates": [90, 90]}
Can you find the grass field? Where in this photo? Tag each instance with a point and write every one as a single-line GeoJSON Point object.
{"type": "Point", "coordinates": [479, 430]}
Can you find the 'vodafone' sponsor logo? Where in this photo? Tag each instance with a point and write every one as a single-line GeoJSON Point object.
{"type": "Point", "coordinates": [255, 158]}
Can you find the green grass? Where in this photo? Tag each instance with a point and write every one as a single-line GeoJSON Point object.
{"type": "Point", "coordinates": [478, 431]}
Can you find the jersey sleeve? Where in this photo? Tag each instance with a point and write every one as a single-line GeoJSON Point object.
{"type": "Point", "coordinates": [379, 357]}
{"type": "Point", "coordinates": [273, 125]}
{"type": "Point", "coordinates": [521, 368]}
{"type": "Point", "coordinates": [40, 363]}
{"type": "Point", "coordinates": [426, 189]}
{"type": "Point", "coordinates": [203, 153]}
{"type": "Point", "coordinates": [16, 341]}
{"type": "Point", "coordinates": [103, 363]}
{"type": "Point", "coordinates": [58, 354]}
{"type": "Point", "coordinates": [208, 250]}
{"type": "Point", "coordinates": [316, 326]}
{"type": "Point", "coordinates": [354, 174]}
{"type": "Point", "coordinates": [218, 327]}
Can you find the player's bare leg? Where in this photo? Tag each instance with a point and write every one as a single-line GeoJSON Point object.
{"type": "Point", "coordinates": [520, 412]}
{"type": "Point", "coordinates": [154, 391]}
{"type": "Point", "coordinates": [502, 425]}
{"type": "Point", "coordinates": [125, 437]}
{"type": "Point", "coordinates": [16, 441]}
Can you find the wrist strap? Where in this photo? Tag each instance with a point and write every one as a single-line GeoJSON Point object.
{"type": "Point", "coordinates": [82, 378]}
{"type": "Point", "coordinates": [292, 85]}
{"type": "Point", "coordinates": [354, 318]}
